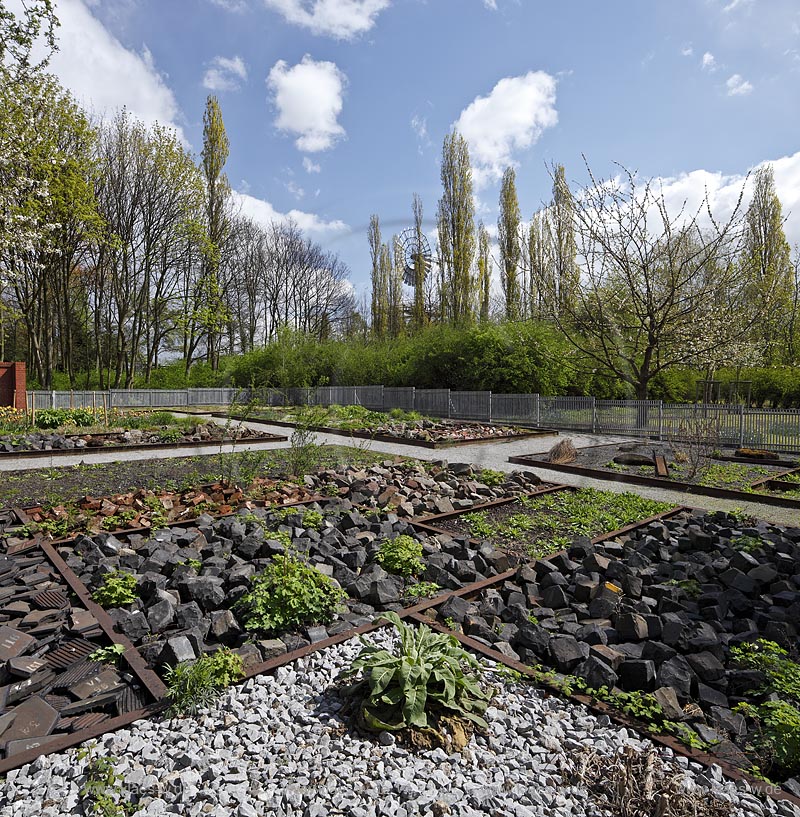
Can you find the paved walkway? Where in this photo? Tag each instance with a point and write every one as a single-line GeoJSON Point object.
{"type": "Point", "coordinates": [486, 455]}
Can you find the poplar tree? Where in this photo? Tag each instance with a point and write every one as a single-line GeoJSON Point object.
{"type": "Point", "coordinates": [767, 261]}
{"type": "Point", "coordinates": [561, 226]}
{"type": "Point", "coordinates": [456, 226]}
{"type": "Point", "coordinates": [215, 153]}
{"type": "Point", "coordinates": [541, 289]}
{"type": "Point", "coordinates": [380, 279]}
{"type": "Point", "coordinates": [393, 263]}
{"type": "Point", "coordinates": [508, 239]}
{"type": "Point", "coordinates": [418, 316]}
{"type": "Point", "coordinates": [484, 272]}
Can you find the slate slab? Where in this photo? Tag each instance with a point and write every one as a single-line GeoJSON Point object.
{"type": "Point", "coordinates": [13, 643]}
{"type": "Point", "coordinates": [34, 718]}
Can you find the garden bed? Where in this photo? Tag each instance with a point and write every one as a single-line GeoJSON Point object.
{"type": "Point", "coordinates": [547, 520]}
{"type": "Point", "coordinates": [282, 744]}
{"type": "Point", "coordinates": [653, 624]}
{"type": "Point", "coordinates": [705, 475]}
{"type": "Point", "coordinates": [359, 423]}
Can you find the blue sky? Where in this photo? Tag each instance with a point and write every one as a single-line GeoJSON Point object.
{"type": "Point", "coordinates": [336, 109]}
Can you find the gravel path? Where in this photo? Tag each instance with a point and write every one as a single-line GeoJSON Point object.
{"type": "Point", "coordinates": [276, 745]}
{"type": "Point", "coordinates": [486, 455]}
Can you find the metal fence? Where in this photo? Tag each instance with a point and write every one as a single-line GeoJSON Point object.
{"type": "Point", "coordinates": [775, 429]}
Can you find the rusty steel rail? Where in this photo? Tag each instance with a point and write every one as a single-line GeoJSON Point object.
{"type": "Point", "coordinates": [154, 685]}
{"type": "Point", "coordinates": [656, 482]}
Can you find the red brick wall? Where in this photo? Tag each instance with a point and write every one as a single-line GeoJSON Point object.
{"type": "Point", "coordinates": [12, 379]}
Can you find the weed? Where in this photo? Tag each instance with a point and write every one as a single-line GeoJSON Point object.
{"type": "Point", "coordinates": [421, 590]}
{"type": "Point", "coordinates": [689, 586]}
{"type": "Point", "coordinates": [491, 478]}
{"type": "Point", "coordinates": [102, 792]}
{"type": "Point", "coordinates": [107, 655]}
{"type": "Point", "coordinates": [117, 589]}
{"type": "Point", "coordinates": [195, 684]}
{"type": "Point", "coordinates": [783, 674]}
{"type": "Point", "coordinates": [289, 593]}
{"type": "Point", "coordinates": [749, 544]}
{"type": "Point", "coordinates": [401, 555]}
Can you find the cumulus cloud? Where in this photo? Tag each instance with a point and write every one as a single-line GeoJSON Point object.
{"type": "Point", "coordinates": [104, 75]}
{"type": "Point", "coordinates": [709, 61]}
{"type": "Point", "coordinates": [510, 119]}
{"type": "Point", "coordinates": [342, 19]}
{"type": "Point", "coordinates": [264, 213]}
{"type": "Point", "coordinates": [737, 85]}
{"type": "Point", "coordinates": [310, 167]}
{"type": "Point", "coordinates": [225, 74]}
{"type": "Point", "coordinates": [308, 99]}
{"type": "Point", "coordinates": [688, 191]}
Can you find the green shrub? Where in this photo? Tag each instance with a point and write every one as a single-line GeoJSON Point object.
{"type": "Point", "coordinates": [421, 590]}
{"type": "Point", "coordinates": [492, 478]}
{"type": "Point", "coordinates": [289, 593]}
{"type": "Point", "coordinates": [419, 685]}
{"type": "Point", "coordinates": [401, 555]}
{"type": "Point", "coordinates": [117, 589]}
{"type": "Point", "coordinates": [195, 684]}
{"type": "Point", "coordinates": [55, 418]}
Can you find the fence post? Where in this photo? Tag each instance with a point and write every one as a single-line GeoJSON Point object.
{"type": "Point", "coordinates": [490, 407]}
{"type": "Point", "coordinates": [448, 404]}
{"type": "Point", "coordinates": [660, 420]}
{"type": "Point", "coordinates": [594, 415]}
{"type": "Point", "coordinates": [110, 399]}
{"type": "Point", "coordinates": [413, 398]}
{"type": "Point", "coordinates": [53, 399]}
{"type": "Point", "coordinates": [538, 414]}
{"type": "Point", "coordinates": [741, 426]}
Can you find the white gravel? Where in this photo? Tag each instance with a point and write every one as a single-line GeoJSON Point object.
{"type": "Point", "coordinates": [275, 746]}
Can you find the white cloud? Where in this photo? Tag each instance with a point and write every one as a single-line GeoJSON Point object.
{"type": "Point", "coordinates": [225, 74]}
{"type": "Point", "coordinates": [738, 86]}
{"type": "Point", "coordinates": [735, 4]}
{"type": "Point", "coordinates": [419, 124]}
{"type": "Point", "coordinates": [264, 213]}
{"type": "Point", "coordinates": [104, 75]}
{"type": "Point", "coordinates": [687, 51]}
{"type": "Point", "coordinates": [490, 4]}
{"type": "Point", "coordinates": [308, 98]}
{"type": "Point", "coordinates": [295, 189]}
{"type": "Point", "coordinates": [723, 192]}
{"type": "Point", "coordinates": [342, 19]}
{"type": "Point", "coordinates": [709, 61]}
{"type": "Point", "coordinates": [310, 167]}
{"type": "Point", "coordinates": [231, 5]}
{"type": "Point", "coordinates": [510, 119]}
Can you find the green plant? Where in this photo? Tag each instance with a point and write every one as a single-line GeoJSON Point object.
{"type": "Point", "coordinates": [170, 435]}
{"type": "Point", "coordinates": [313, 520]}
{"type": "Point", "coordinates": [689, 586]}
{"type": "Point", "coordinates": [749, 544]}
{"type": "Point", "coordinates": [783, 674]}
{"type": "Point", "coordinates": [451, 624]}
{"type": "Point", "coordinates": [119, 519]}
{"type": "Point", "coordinates": [117, 589]}
{"type": "Point", "coordinates": [424, 682]}
{"type": "Point", "coordinates": [777, 739]}
{"type": "Point", "coordinates": [195, 684]}
{"type": "Point", "coordinates": [107, 655]}
{"type": "Point", "coordinates": [492, 478]}
{"type": "Point", "coordinates": [289, 593]}
{"type": "Point", "coordinates": [741, 516]}
{"type": "Point", "coordinates": [401, 555]}
{"type": "Point", "coordinates": [421, 590]}
{"type": "Point", "coordinates": [532, 618]}
{"type": "Point", "coordinates": [102, 792]}
{"type": "Point", "coordinates": [156, 512]}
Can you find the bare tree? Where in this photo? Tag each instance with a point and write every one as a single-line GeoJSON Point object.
{"type": "Point", "coordinates": [657, 289]}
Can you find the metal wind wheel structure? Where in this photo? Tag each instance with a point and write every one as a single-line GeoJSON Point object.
{"type": "Point", "coordinates": [416, 253]}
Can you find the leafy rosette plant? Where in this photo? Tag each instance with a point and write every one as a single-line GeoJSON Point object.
{"type": "Point", "coordinates": [425, 682]}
